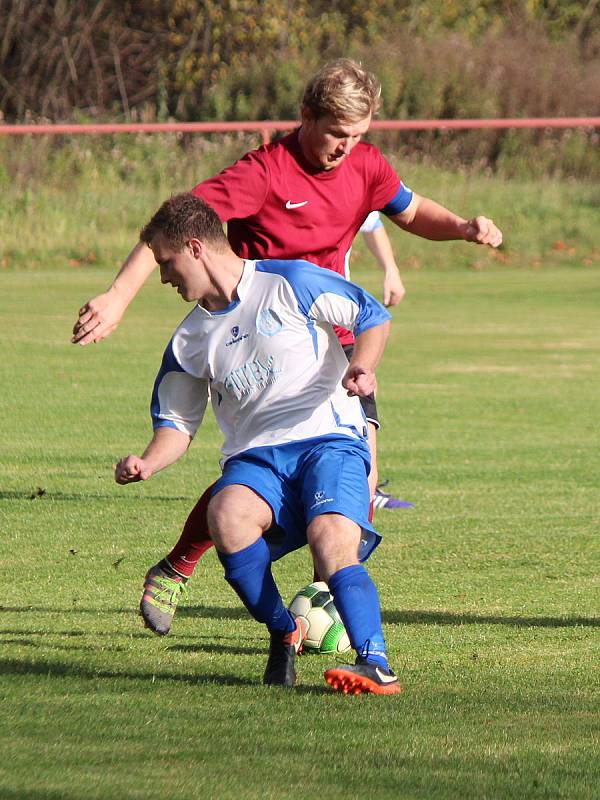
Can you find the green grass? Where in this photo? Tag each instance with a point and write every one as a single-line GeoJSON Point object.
{"type": "Point", "coordinates": [489, 586]}
{"type": "Point", "coordinates": [81, 203]}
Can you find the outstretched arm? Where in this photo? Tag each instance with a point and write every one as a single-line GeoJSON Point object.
{"type": "Point", "coordinates": [166, 446]}
{"type": "Point", "coordinates": [368, 349]}
{"type": "Point", "coordinates": [380, 246]}
{"type": "Point", "coordinates": [426, 218]}
{"type": "Point", "coordinates": [100, 316]}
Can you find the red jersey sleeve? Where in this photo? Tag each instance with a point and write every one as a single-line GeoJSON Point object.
{"type": "Point", "coordinates": [386, 183]}
{"type": "Point", "coordinates": [238, 191]}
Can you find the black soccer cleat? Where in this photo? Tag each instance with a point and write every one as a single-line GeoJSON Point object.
{"type": "Point", "coordinates": [280, 669]}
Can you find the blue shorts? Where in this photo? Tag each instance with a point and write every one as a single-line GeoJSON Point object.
{"type": "Point", "coordinates": [300, 480]}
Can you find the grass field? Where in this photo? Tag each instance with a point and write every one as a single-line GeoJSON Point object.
{"type": "Point", "coordinates": [489, 586]}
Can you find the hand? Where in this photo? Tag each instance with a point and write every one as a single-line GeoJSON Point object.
{"type": "Point", "coordinates": [393, 289]}
{"type": "Point", "coordinates": [359, 382]}
{"type": "Point", "coordinates": [98, 318]}
{"type": "Point", "coordinates": [131, 470]}
{"type": "Point", "coordinates": [482, 230]}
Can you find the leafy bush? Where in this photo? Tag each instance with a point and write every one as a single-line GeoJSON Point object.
{"type": "Point", "coordinates": [249, 59]}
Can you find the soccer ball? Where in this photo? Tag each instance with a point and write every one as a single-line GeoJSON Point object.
{"type": "Point", "coordinates": [326, 632]}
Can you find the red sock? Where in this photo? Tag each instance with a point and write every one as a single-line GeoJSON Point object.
{"type": "Point", "coordinates": [194, 540]}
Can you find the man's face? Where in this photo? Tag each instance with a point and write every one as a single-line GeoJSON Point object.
{"type": "Point", "coordinates": [327, 141]}
{"type": "Point", "coordinates": [181, 268]}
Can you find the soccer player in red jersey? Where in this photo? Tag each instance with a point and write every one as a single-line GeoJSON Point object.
{"type": "Point", "coordinates": [303, 197]}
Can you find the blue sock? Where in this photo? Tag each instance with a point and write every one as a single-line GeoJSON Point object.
{"type": "Point", "coordinates": [357, 601]}
{"type": "Point", "coordinates": [249, 573]}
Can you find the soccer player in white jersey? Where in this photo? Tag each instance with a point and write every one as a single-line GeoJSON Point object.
{"type": "Point", "coordinates": [295, 456]}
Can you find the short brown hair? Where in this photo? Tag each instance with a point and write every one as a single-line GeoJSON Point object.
{"type": "Point", "coordinates": [183, 217]}
{"type": "Point", "coordinates": [343, 89]}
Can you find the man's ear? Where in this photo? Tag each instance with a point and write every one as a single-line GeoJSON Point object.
{"type": "Point", "coordinates": [196, 248]}
{"type": "Point", "coordinates": [306, 114]}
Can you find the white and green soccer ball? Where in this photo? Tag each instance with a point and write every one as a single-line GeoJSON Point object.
{"type": "Point", "coordinates": [326, 632]}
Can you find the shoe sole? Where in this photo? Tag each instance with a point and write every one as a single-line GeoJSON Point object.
{"type": "Point", "coordinates": [347, 682]}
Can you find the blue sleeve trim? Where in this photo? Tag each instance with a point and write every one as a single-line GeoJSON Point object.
{"type": "Point", "coordinates": [164, 423]}
{"type": "Point", "coordinates": [308, 282]}
{"type": "Point", "coordinates": [399, 202]}
{"type": "Point", "coordinates": [371, 320]}
{"type": "Point", "coordinates": [169, 364]}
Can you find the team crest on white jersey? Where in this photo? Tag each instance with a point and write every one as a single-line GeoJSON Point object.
{"type": "Point", "coordinates": [268, 322]}
{"type": "Point", "coordinates": [236, 336]}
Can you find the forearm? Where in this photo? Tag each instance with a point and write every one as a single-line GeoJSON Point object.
{"type": "Point", "coordinates": [101, 315]}
{"type": "Point", "coordinates": [359, 379]}
{"type": "Point", "coordinates": [369, 346]}
{"type": "Point", "coordinates": [380, 247]}
{"type": "Point", "coordinates": [166, 446]}
{"type": "Point", "coordinates": [135, 270]}
{"type": "Point", "coordinates": [426, 218]}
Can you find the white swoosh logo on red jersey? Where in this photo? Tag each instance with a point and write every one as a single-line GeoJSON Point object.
{"type": "Point", "coordinates": [289, 204]}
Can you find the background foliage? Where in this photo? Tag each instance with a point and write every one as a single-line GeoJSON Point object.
{"type": "Point", "coordinates": [249, 59]}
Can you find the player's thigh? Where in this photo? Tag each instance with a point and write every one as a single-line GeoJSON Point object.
{"type": "Point", "coordinates": [237, 516]}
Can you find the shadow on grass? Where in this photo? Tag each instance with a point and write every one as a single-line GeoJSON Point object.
{"type": "Point", "coordinates": [67, 648]}
{"type": "Point", "coordinates": [41, 496]}
{"type": "Point", "coordinates": [19, 632]}
{"type": "Point", "coordinates": [405, 617]}
{"type": "Point", "coordinates": [54, 669]}
{"type": "Point", "coordinates": [47, 640]}
{"type": "Point", "coordinates": [446, 618]}
{"type": "Point", "coordinates": [205, 612]}
{"type": "Point", "coordinates": [217, 648]}
{"type": "Point", "coordinates": [213, 612]}
{"type": "Point", "coordinates": [37, 794]}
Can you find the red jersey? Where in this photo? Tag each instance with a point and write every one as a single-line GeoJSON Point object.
{"type": "Point", "coordinates": [277, 205]}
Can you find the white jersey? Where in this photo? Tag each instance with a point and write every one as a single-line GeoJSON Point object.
{"type": "Point", "coordinates": [371, 223]}
{"type": "Point", "coordinates": [270, 361]}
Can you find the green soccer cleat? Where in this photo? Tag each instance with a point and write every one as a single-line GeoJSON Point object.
{"type": "Point", "coordinates": [281, 670]}
{"type": "Point", "coordinates": [163, 589]}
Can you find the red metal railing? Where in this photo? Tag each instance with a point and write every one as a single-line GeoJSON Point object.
{"type": "Point", "coordinates": [267, 127]}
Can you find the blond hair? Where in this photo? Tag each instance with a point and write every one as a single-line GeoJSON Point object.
{"type": "Point", "coordinates": [343, 89]}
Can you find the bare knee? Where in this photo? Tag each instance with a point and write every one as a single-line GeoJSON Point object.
{"type": "Point", "coordinates": [237, 517]}
{"type": "Point", "coordinates": [334, 541]}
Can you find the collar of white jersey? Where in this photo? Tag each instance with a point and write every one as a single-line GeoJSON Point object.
{"type": "Point", "coordinates": [247, 273]}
